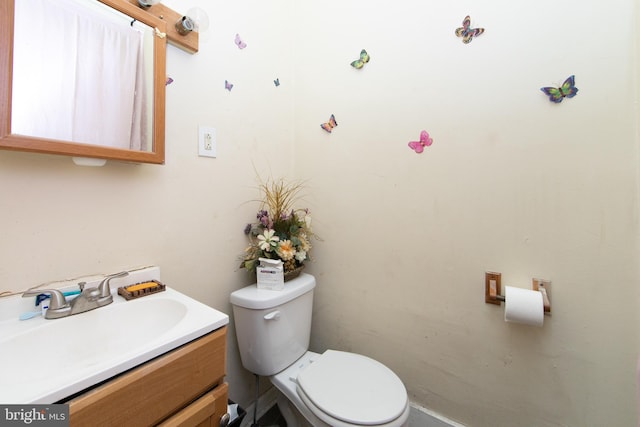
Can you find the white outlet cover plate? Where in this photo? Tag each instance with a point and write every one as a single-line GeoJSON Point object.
{"type": "Point", "coordinates": [207, 141]}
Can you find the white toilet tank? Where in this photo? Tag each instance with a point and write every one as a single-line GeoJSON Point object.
{"type": "Point", "coordinates": [273, 327]}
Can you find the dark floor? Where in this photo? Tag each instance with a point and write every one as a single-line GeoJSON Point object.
{"type": "Point", "coordinates": [272, 418]}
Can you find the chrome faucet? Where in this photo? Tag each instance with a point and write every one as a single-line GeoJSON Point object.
{"type": "Point", "coordinates": [89, 298]}
{"type": "Point", "coordinates": [58, 307]}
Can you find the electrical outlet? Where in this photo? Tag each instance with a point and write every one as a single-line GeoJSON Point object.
{"type": "Point", "coordinates": [207, 142]}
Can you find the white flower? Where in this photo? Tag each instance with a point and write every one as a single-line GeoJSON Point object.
{"type": "Point", "coordinates": [305, 245]}
{"type": "Point", "coordinates": [303, 215]}
{"type": "Point", "coordinates": [301, 255]}
{"type": "Point", "coordinates": [267, 240]}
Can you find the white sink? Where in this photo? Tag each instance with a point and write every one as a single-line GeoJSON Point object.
{"type": "Point", "coordinates": [44, 361]}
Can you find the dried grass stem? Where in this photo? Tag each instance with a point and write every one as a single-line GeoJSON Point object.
{"type": "Point", "coordinates": [279, 196]}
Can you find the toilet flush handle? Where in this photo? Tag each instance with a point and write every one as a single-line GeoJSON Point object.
{"type": "Point", "coordinates": [274, 315]}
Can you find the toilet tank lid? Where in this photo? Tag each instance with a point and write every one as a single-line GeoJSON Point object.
{"type": "Point", "coordinates": [258, 299]}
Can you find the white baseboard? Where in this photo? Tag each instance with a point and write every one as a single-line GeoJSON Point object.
{"type": "Point", "coordinates": [423, 417]}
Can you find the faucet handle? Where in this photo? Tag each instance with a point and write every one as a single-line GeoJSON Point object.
{"type": "Point", "coordinates": [105, 289]}
{"type": "Point", "coordinates": [58, 300]}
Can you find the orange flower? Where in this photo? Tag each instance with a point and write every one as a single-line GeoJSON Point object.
{"type": "Point", "coordinates": [285, 250]}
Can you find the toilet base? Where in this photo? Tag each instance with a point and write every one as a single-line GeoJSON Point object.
{"type": "Point", "coordinates": [290, 413]}
{"type": "Point", "coordinates": [290, 402]}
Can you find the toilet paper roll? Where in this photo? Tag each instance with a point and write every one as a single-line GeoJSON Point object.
{"type": "Point", "coordinates": [523, 306]}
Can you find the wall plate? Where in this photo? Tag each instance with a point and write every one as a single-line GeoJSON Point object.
{"type": "Point", "coordinates": [207, 142]}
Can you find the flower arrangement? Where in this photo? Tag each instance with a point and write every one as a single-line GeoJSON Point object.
{"type": "Point", "coordinates": [281, 231]}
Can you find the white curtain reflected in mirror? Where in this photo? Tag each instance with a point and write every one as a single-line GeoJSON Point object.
{"type": "Point", "coordinates": [81, 75]}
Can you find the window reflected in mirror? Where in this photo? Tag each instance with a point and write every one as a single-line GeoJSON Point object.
{"type": "Point", "coordinates": [99, 81]}
{"type": "Point", "coordinates": [82, 78]}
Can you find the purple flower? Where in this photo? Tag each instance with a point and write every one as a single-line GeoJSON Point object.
{"type": "Point", "coordinates": [284, 216]}
{"type": "Point", "coordinates": [247, 229]}
{"type": "Point", "coordinates": [263, 217]}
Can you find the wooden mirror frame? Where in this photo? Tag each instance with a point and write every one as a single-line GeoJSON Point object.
{"type": "Point", "coordinates": [9, 141]}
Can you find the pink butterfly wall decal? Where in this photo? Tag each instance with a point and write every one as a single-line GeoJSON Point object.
{"type": "Point", "coordinates": [425, 141]}
{"type": "Point", "coordinates": [328, 126]}
{"type": "Point", "coordinates": [238, 41]}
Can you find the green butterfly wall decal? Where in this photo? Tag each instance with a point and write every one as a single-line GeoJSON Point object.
{"type": "Point", "coordinates": [567, 90]}
{"type": "Point", "coordinates": [364, 58]}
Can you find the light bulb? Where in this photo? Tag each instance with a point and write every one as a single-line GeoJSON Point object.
{"type": "Point", "coordinates": [200, 18]}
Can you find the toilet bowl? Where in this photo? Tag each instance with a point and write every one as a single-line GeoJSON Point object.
{"type": "Point", "coordinates": [341, 389]}
{"type": "Point", "coordinates": [335, 388]}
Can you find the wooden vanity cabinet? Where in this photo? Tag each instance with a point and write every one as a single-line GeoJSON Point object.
{"type": "Point", "coordinates": [184, 387]}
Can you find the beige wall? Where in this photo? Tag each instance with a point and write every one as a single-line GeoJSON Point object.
{"type": "Point", "coordinates": [512, 183]}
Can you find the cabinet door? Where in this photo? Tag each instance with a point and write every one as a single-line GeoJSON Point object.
{"type": "Point", "coordinates": [204, 412]}
{"type": "Point", "coordinates": [153, 391]}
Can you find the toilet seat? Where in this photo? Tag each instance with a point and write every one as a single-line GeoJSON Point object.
{"type": "Point", "coordinates": [352, 389]}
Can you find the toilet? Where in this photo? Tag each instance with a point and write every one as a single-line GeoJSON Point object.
{"type": "Point", "coordinates": [335, 388]}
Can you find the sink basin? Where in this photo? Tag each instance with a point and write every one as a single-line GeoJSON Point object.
{"type": "Point", "coordinates": [44, 361]}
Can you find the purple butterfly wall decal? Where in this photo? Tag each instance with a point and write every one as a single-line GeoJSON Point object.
{"type": "Point", "coordinates": [228, 86]}
{"type": "Point", "coordinates": [238, 41]}
{"type": "Point", "coordinates": [466, 32]}
{"type": "Point", "coordinates": [425, 141]}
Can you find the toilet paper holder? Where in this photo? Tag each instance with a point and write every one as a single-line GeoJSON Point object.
{"type": "Point", "coordinates": [493, 289]}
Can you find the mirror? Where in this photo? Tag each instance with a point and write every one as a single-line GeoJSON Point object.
{"type": "Point", "coordinates": [22, 117]}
